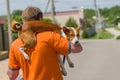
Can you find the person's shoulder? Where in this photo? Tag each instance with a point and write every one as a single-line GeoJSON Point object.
{"type": "Point", "coordinates": [45, 34]}
{"type": "Point", "coordinates": [16, 42]}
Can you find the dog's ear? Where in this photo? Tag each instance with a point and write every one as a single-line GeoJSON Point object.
{"type": "Point", "coordinates": [78, 28]}
{"type": "Point", "coordinates": [16, 26]}
{"type": "Point", "coordinates": [65, 29]}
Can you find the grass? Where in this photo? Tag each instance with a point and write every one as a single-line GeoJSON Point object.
{"type": "Point", "coordinates": [103, 35]}
{"type": "Point", "coordinates": [117, 28]}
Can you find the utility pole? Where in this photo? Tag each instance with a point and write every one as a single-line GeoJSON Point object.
{"type": "Point", "coordinates": [98, 20]}
{"type": "Point", "coordinates": [53, 12]}
{"type": "Point", "coordinates": [47, 6]}
{"type": "Point", "coordinates": [9, 22]}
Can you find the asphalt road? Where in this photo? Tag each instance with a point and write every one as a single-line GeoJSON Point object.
{"type": "Point", "coordinates": [99, 60]}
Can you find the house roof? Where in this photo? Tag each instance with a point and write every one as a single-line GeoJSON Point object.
{"type": "Point", "coordinates": [2, 20]}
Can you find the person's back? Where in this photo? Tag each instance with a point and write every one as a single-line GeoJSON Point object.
{"type": "Point", "coordinates": [43, 64]}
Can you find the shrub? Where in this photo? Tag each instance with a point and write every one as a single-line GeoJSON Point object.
{"type": "Point", "coordinates": [88, 25]}
{"type": "Point", "coordinates": [47, 20]}
{"type": "Point", "coordinates": [84, 34]}
{"type": "Point", "coordinates": [14, 35]}
{"type": "Point", "coordinates": [118, 37]}
{"type": "Point", "coordinates": [71, 22]}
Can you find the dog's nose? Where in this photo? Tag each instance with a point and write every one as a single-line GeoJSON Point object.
{"type": "Point", "coordinates": [76, 42]}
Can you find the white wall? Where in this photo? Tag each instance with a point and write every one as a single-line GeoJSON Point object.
{"type": "Point", "coordinates": [62, 19]}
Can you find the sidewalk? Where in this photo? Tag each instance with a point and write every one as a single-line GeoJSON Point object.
{"type": "Point", "coordinates": [3, 55]}
{"type": "Point", "coordinates": [3, 69]}
{"type": "Point", "coordinates": [113, 31]}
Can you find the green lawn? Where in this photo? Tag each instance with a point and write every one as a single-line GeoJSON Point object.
{"type": "Point", "coordinates": [103, 35]}
{"type": "Point", "coordinates": [117, 28]}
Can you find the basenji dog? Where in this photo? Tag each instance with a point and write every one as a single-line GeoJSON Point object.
{"type": "Point", "coordinates": [27, 34]}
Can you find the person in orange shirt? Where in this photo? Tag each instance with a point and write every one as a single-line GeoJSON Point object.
{"type": "Point", "coordinates": [44, 63]}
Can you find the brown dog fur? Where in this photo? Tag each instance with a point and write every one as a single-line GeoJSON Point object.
{"type": "Point", "coordinates": [27, 30]}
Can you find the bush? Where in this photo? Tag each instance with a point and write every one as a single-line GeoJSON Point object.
{"type": "Point", "coordinates": [88, 25]}
{"type": "Point", "coordinates": [84, 34]}
{"type": "Point", "coordinates": [103, 35]}
{"type": "Point", "coordinates": [14, 35]}
{"type": "Point", "coordinates": [118, 37]}
{"type": "Point", "coordinates": [71, 23]}
{"type": "Point", "coordinates": [47, 20]}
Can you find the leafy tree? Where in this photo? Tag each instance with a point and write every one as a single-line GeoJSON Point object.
{"type": "Point", "coordinates": [115, 14]}
{"type": "Point", "coordinates": [17, 12]}
{"type": "Point", "coordinates": [104, 12]}
{"type": "Point", "coordinates": [89, 13]}
{"type": "Point", "coordinates": [112, 14]}
{"type": "Point", "coordinates": [16, 15]}
{"type": "Point", "coordinates": [116, 20]}
{"type": "Point", "coordinates": [114, 11]}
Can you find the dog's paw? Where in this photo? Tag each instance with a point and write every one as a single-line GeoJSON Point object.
{"type": "Point", "coordinates": [71, 65]}
{"type": "Point", "coordinates": [26, 57]}
{"type": "Point", "coordinates": [24, 53]}
{"type": "Point", "coordinates": [64, 73]}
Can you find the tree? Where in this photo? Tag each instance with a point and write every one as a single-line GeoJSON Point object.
{"type": "Point", "coordinates": [17, 12]}
{"type": "Point", "coordinates": [112, 14]}
{"type": "Point", "coordinates": [16, 15]}
{"type": "Point", "coordinates": [89, 13]}
{"type": "Point", "coordinates": [104, 12]}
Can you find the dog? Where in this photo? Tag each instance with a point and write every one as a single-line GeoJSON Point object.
{"type": "Point", "coordinates": [27, 34]}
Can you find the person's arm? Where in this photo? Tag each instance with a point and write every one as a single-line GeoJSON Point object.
{"type": "Point", "coordinates": [75, 48]}
{"type": "Point", "coordinates": [13, 66]}
{"type": "Point", "coordinates": [12, 74]}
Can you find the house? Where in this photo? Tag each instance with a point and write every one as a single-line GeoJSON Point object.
{"type": "Point", "coordinates": [63, 16]}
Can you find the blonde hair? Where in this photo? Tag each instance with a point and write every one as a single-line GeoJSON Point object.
{"type": "Point", "coordinates": [31, 13]}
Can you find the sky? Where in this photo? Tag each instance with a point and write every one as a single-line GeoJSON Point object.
{"type": "Point", "coordinates": [60, 5]}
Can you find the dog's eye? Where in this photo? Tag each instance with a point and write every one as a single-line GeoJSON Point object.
{"type": "Point", "coordinates": [77, 35]}
{"type": "Point", "coordinates": [72, 35]}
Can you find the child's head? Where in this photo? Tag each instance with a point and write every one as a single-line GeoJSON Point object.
{"type": "Point", "coordinates": [32, 13]}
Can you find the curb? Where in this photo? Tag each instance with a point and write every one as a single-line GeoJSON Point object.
{"type": "Point", "coordinates": [3, 55]}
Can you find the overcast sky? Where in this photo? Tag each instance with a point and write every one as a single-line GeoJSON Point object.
{"type": "Point", "coordinates": [61, 5]}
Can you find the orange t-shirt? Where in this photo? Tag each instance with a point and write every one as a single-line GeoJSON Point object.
{"type": "Point", "coordinates": [44, 63]}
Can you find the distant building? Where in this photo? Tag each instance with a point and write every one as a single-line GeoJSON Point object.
{"type": "Point", "coordinates": [63, 16]}
{"type": "Point", "coordinates": [2, 20]}
{"type": "Point", "coordinates": [3, 35]}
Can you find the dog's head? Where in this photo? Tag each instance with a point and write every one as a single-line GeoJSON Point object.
{"type": "Point", "coordinates": [73, 34]}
